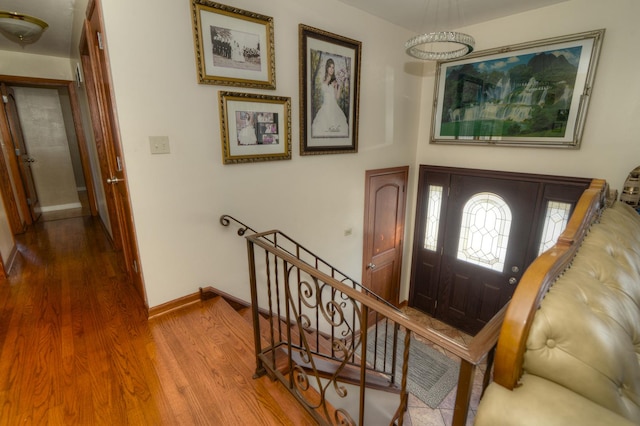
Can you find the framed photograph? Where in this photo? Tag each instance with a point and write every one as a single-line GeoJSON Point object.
{"type": "Point", "coordinates": [531, 94]}
{"type": "Point", "coordinates": [233, 47]}
{"type": "Point", "coordinates": [329, 84]}
{"type": "Point", "coordinates": [254, 127]}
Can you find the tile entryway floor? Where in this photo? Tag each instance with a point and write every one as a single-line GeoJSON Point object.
{"type": "Point", "coordinates": [420, 414]}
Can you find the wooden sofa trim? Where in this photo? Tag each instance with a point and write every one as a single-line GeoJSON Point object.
{"type": "Point", "coordinates": [535, 283]}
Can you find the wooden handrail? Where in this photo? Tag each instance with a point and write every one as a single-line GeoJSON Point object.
{"type": "Point", "coordinates": [470, 355]}
{"type": "Point", "coordinates": [474, 353]}
{"type": "Point", "coordinates": [504, 335]}
{"type": "Point", "coordinates": [535, 283]}
{"type": "Point", "coordinates": [225, 220]}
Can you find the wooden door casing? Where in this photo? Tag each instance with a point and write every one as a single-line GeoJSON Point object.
{"type": "Point", "coordinates": [24, 185]}
{"type": "Point", "coordinates": [8, 174]}
{"type": "Point", "coordinates": [14, 199]}
{"type": "Point", "coordinates": [453, 292]}
{"type": "Point", "coordinates": [93, 49]}
{"type": "Point", "coordinates": [385, 204]}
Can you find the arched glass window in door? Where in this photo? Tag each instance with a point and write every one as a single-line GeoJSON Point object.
{"type": "Point", "coordinates": [484, 232]}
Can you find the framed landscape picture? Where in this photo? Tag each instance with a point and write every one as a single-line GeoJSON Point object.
{"type": "Point", "coordinates": [532, 94]}
{"type": "Point", "coordinates": [329, 92]}
{"type": "Point", "coordinates": [233, 47]}
{"type": "Point", "coordinates": [254, 127]}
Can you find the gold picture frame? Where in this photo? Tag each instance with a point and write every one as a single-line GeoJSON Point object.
{"type": "Point", "coordinates": [233, 47]}
{"type": "Point", "coordinates": [329, 70]}
{"type": "Point", "coordinates": [254, 127]}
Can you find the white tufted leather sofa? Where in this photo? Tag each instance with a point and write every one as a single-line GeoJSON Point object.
{"type": "Point", "coordinates": [581, 362]}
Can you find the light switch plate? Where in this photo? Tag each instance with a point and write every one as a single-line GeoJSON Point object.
{"type": "Point", "coordinates": [159, 144]}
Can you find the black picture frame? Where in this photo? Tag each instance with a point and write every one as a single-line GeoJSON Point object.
{"type": "Point", "coordinates": [329, 110]}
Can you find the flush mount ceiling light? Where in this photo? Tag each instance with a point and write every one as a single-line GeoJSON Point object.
{"type": "Point", "coordinates": [21, 28]}
{"type": "Point", "coordinates": [440, 45]}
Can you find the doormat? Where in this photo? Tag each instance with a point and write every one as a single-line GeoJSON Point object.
{"type": "Point", "coordinates": [431, 374]}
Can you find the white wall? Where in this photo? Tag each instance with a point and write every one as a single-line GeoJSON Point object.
{"type": "Point", "coordinates": [29, 65]}
{"type": "Point", "coordinates": [177, 198]}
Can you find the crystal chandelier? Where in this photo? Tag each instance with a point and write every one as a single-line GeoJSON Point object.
{"type": "Point", "coordinates": [454, 45]}
{"type": "Point", "coordinates": [440, 45]}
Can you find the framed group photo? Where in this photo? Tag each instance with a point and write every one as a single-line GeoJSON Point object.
{"type": "Point", "coordinates": [254, 127]}
{"type": "Point", "coordinates": [532, 94]}
{"type": "Point", "coordinates": [329, 92]}
{"type": "Point", "coordinates": [233, 47]}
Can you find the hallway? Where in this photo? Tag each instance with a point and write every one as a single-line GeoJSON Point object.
{"type": "Point", "coordinates": [84, 210]}
{"type": "Point", "coordinates": [76, 347]}
{"type": "Point", "coordinates": [66, 314]}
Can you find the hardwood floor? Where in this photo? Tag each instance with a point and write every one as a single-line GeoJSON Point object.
{"type": "Point", "coordinates": [76, 347]}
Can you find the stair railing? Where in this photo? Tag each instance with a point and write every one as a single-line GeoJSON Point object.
{"type": "Point", "coordinates": [295, 249]}
{"type": "Point", "coordinates": [311, 333]}
{"type": "Point", "coordinates": [292, 247]}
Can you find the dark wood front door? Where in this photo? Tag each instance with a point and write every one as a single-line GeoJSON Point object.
{"type": "Point", "coordinates": [476, 233]}
{"type": "Point", "coordinates": [485, 247]}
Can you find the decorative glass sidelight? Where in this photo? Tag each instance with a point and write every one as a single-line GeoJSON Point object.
{"type": "Point", "coordinates": [484, 231]}
{"type": "Point", "coordinates": [434, 204]}
{"type": "Point", "coordinates": [555, 221]}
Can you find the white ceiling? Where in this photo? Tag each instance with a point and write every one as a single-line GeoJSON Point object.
{"type": "Point", "coordinates": [435, 15]}
{"type": "Point", "coordinates": [415, 15]}
{"type": "Point", "coordinates": [56, 40]}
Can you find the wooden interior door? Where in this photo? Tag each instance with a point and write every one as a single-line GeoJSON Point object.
{"type": "Point", "coordinates": [384, 217]}
{"type": "Point", "coordinates": [93, 50]}
{"type": "Point", "coordinates": [8, 168]}
{"type": "Point", "coordinates": [24, 185]}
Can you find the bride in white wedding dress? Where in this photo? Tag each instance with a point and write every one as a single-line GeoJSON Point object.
{"type": "Point", "coordinates": [330, 120]}
{"type": "Point", "coordinates": [247, 134]}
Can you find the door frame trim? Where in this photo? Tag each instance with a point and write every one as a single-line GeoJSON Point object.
{"type": "Point", "coordinates": [80, 139]}
{"type": "Point", "coordinates": [104, 119]}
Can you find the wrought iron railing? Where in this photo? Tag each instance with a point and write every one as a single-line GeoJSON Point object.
{"type": "Point", "coordinates": [311, 328]}
{"type": "Point", "coordinates": [293, 248]}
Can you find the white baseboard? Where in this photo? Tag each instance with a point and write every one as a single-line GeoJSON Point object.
{"type": "Point", "coordinates": [45, 209]}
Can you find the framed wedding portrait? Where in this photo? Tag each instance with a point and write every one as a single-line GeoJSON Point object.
{"type": "Point", "coordinates": [233, 47]}
{"type": "Point", "coordinates": [532, 94]}
{"type": "Point", "coordinates": [254, 127]}
{"type": "Point", "coordinates": [329, 92]}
